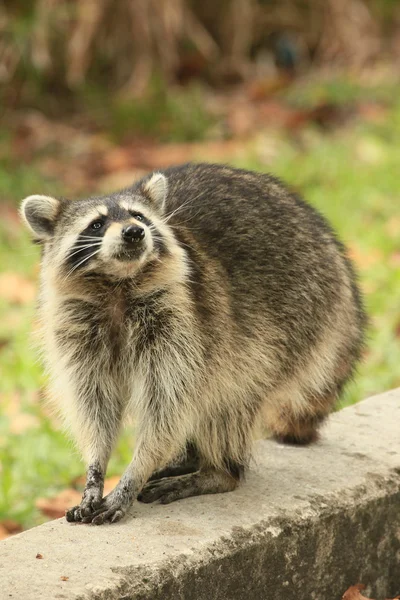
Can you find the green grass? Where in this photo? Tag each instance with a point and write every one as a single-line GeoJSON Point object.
{"type": "Point", "coordinates": [177, 115]}
{"type": "Point", "coordinates": [340, 89]}
{"type": "Point", "coordinates": [350, 175]}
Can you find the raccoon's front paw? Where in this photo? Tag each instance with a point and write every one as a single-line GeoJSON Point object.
{"type": "Point", "coordinates": [112, 508]}
{"type": "Point", "coordinates": [91, 501]}
{"type": "Point", "coordinates": [109, 512]}
{"type": "Point", "coordinates": [113, 514]}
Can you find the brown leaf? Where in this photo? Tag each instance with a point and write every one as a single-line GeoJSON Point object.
{"type": "Point", "coordinates": [4, 342]}
{"type": "Point", "coordinates": [117, 159]}
{"type": "Point", "coordinates": [9, 527]}
{"type": "Point", "coordinates": [63, 578]}
{"type": "Point", "coordinates": [3, 533]}
{"type": "Point", "coordinates": [55, 507]}
{"type": "Point", "coordinates": [38, 555]}
{"type": "Point", "coordinates": [156, 157]}
{"type": "Point", "coordinates": [264, 88]}
{"type": "Point", "coordinates": [241, 119]}
{"type": "Point", "coordinates": [110, 483]}
{"type": "Point", "coordinates": [16, 289]}
{"type": "Point", "coordinates": [373, 111]}
{"type": "Point", "coordinates": [273, 113]}
{"type": "Point", "coordinates": [119, 180]}
{"type": "Point", "coordinates": [9, 216]}
{"type": "Point", "coordinates": [354, 593]}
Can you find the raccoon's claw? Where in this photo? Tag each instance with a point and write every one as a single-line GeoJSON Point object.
{"type": "Point", "coordinates": [91, 501]}
{"type": "Point", "coordinates": [73, 515]}
{"type": "Point", "coordinates": [106, 514]}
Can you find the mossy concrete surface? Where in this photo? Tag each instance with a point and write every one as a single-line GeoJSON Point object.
{"type": "Point", "coordinates": [306, 524]}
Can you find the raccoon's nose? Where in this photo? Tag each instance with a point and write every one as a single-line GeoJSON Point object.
{"type": "Point", "coordinates": [133, 233]}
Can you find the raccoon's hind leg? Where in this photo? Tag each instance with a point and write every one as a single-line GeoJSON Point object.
{"type": "Point", "coordinates": [291, 426]}
{"type": "Point", "coordinates": [206, 481]}
{"type": "Point", "coordinates": [188, 462]}
{"type": "Point", "coordinates": [231, 437]}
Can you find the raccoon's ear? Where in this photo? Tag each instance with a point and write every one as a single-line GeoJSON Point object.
{"type": "Point", "coordinates": [156, 189]}
{"type": "Point", "coordinates": [40, 214]}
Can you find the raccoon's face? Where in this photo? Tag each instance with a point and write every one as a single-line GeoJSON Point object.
{"type": "Point", "coordinates": [115, 236]}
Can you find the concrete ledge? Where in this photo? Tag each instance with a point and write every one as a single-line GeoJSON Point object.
{"type": "Point", "coordinates": [307, 524]}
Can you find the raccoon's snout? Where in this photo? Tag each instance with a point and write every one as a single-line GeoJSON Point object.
{"type": "Point", "coordinates": [133, 233]}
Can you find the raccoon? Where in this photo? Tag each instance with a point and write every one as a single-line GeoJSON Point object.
{"type": "Point", "coordinates": [205, 300]}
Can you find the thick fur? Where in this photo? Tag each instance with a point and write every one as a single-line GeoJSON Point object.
{"type": "Point", "coordinates": [239, 306]}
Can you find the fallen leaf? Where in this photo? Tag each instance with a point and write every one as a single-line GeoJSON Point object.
{"type": "Point", "coordinates": [241, 119]}
{"type": "Point", "coordinates": [110, 483]}
{"type": "Point", "coordinates": [9, 527]}
{"type": "Point", "coordinates": [55, 507]}
{"type": "Point", "coordinates": [354, 593]}
{"type": "Point", "coordinates": [16, 289]}
{"type": "Point", "coordinates": [63, 578]}
{"type": "Point", "coordinates": [9, 216]}
{"type": "Point", "coordinates": [268, 86]}
{"type": "Point", "coordinates": [153, 156]}
{"type": "Point", "coordinates": [373, 111]}
{"type": "Point", "coordinates": [117, 159]}
{"type": "Point", "coordinates": [119, 180]}
{"type": "Point", "coordinates": [4, 342]}
{"type": "Point", "coordinates": [3, 533]}
{"type": "Point", "coordinates": [38, 555]}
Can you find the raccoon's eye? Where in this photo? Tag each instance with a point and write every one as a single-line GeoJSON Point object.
{"type": "Point", "coordinates": [136, 216]}
{"type": "Point", "coordinates": [96, 225]}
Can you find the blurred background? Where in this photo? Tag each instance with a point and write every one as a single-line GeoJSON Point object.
{"type": "Point", "coordinates": [94, 93]}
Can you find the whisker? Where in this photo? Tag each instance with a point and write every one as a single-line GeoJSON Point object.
{"type": "Point", "coordinates": [170, 215]}
{"type": "Point", "coordinates": [192, 199]}
{"type": "Point", "coordinates": [160, 239]}
{"type": "Point", "coordinates": [80, 263]}
{"type": "Point", "coordinates": [82, 248]}
{"type": "Point", "coordinates": [187, 245]}
{"type": "Point", "coordinates": [86, 244]}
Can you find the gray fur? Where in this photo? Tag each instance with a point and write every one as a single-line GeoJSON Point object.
{"type": "Point", "coordinates": [239, 307]}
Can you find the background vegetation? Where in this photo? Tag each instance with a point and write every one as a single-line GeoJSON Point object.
{"type": "Point", "coordinates": [94, 94]}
